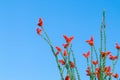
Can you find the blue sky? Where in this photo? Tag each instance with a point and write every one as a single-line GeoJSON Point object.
{"type": "Point", "coordinates": [25, 56]}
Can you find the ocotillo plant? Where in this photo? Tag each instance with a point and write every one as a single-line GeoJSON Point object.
{"type": "Point", "coordinates": [97, 68]}
{"type": "Point", "coordinates": [67, 65]}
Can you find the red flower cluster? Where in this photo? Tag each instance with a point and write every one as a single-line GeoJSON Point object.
{"type": "Point", "coordinates": [94, 67]}
{"type": "Point", "coordinates": [65, 61]}
{"type": "Point", "coordinates": [104, 54]}
{"type": "Point", "coordinates": [115, 75]}
{"type": "Point", "coordinates": [91, 41]}
{"type": "Point", "coordinates": [72, 64]}
{"type": "Point", "coordinates": [106, 70]}
{"type": "Point", "coordinates": [88, 71]}
{"type": "Point", "coordinates": [62, 62]}
{"type": "Point", "coordinates": [67, 77]}
{"type": "Point", "coordinates": [87, 54]}
{"type": "Point", "coordinates": [113, 57]}
{"type": "Point", "coordinates": [95, 62]}
{"type": "Point", "coordinates": [65, 53]}
{"type": "Point", "coordinates": [68, 39]}
{"type": "Point", "coordinates": [117, 46]}
{"type": "Point", "coordinates": [58, 49]}
{"type": "Point", "coordinates": [40, 24]}
{"type": "Point", "coordinates": [38, 31]}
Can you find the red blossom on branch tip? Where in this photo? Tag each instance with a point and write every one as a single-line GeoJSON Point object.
{"type": "Point", "coordinates": [87, 54]}
{"type": "Point", "coordinates": [40, 23]}
{"type": "Point", "coordinates": [117, 46]}
{"type": "Point", "coordinates": [107, 70]}
{"type": "Point", "coordinates": [65, 53]}
{"type": "Point", "coordinates": [72, 65]}
{"type": "Point", "coordinates": [95, 62]}
{"type": "Point", "coordinates": [113, 57]}
{"type": "Point", "coordinates": [58, 49]}
{"type": "Point", "coordinates": [68, 39]}
{"type": "Point", "coordinates": [91, 41]}
{"type": "Point", "coordinates": [62, 62]}
{"type": "Point", "coordinates": [67, 77]}
{"type": "Point", "coordinates": [38, 31]}
{"type": "Point", "coordinates": [65, 45]}
{"type": "Point", "coordinates": [115, 75]}
{"type": "Point", "coordinates": [97, 69]}
{"type": "Point", "coordinates": [105, 53]}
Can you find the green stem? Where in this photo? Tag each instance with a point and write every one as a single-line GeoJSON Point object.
{"type": "Point", "coordinates": [68, 61]}
{"type": "Point", "coordinates": [47, 39]}
{"type": "Point", "coordinates": [78, 76]}
{"type": "Point", "coordinates": [46, 34]}
{"type": "Point", "coordinates": [92, 57]}
{"type": "Point", "coordinates": [104, 28]}
{"type": "Point", "coordinates": [114, 63]}
{"type": "Point", "coordinates": [91, 62]}
{"type": "Point", "coordinates": [96, 55]}
{"type": "Point", "coordinates": [60, 69]}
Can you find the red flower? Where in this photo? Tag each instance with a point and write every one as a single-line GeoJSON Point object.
{"type": "Point", "coordinates": [117, 46]}
{"type": "Point", "coordinates": [72, 64]}
{"type": "Point", "coordinates": [88, 71]}
{"type": "Point", "coordinates": [97, 69]}
{"type": "Point", "coordinates": [68, 39]}
{"type": "Point", "coordinates": [58, 49]}
{"type": "Point", "coordinates": [95, 62]}
{"type": "Point", "coordinates": [40, 23]}
{"type": "Point", "coordinates": [105, 53]}
{"type": "Point", "coordinates": [91, 41]}
{"type": "Point", "coordinates": [65, 45]}
{"type": "Point", "coordinates": [67, 78]}
{"type": "Point", "coordinates": [113, 57]}
{"type": "Point", "coordinates": [107, 70]}
{"type": "Point", "coordinates": [98, 73]}
{"type": "Point", "coordinates": [65, 53]}
{"type": "Point", "coordinates": [62, 62]}
{"type": "Point", "coordinates": [38, 31]}
{"type": "Point", "coordinates": [87, 54]}
{"type": "Point", "coordinates": [115, 75]}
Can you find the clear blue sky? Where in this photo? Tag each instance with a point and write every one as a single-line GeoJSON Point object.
{"type": "Point", "coordinates": [25, 56]}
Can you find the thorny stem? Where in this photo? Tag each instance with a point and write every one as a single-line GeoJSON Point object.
{"type": "Point", "coordinates": [104, 28]}
{"type": "Point", "coordinates": [96, 54]}
{"type": "Point", "coordinates": [75, 62]}
{"type": "Point", "coordinates": [91, 61]}
{"type": "Point", "coordinates": [68, 65]}
{"type": "Point", "coordinates": [70, 71]}
{"type": "Point", "coordinates": [47, 39]}
{"type": "Point", "coordinates": [104, 61]}
{"type": "Point", "coordinates": [46, 34]}
{"type": "Point", "coordinates": [101, 46]}
{"type": "Point", "coordinates": [60, 70]}
{"type": "Point", "coordinates": [114, 63]}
